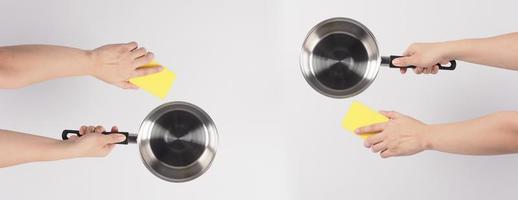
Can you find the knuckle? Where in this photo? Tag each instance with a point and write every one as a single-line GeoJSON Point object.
{"type": "Point", "coordinates": [150, 56]}
{"type": "Point", "coordinates": [366, 144]}
{"type": "Point", "coordinates": [368, 141]}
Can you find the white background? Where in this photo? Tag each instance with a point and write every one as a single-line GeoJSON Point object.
{"type": "Point", "coordinates": [238, 60]}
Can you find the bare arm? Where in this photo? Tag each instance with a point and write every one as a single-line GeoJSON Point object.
{"type": "Point", "coordinates": [115, 64]}
{"type": "Point", "coordinates": [489, 135]}
{"type": "Point", "coordinates": [498, 51]}
{"type": "Point", "coordinates": [17, 148]}
{"type": "Point", "coordinates": [492, 134]}
{"type": "Point", "coordinates": [27, 64]}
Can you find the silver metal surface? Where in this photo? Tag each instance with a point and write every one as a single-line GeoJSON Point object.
{"type": "Point", "coordinates": [340, 57]}
{"type": "Point", "coordinates": [177, 141]}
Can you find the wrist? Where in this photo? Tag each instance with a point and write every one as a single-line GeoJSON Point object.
{"type": "Point", "coordinates": [68, 149]}
{"type": "Point", "coordinates": [428, 137]}
{"type": "Point", "coordinates": [454, 50]}
{"type": "Point", "coordinates": [92, 62]}
{"type": "Point", "coordinates": [448, 50]}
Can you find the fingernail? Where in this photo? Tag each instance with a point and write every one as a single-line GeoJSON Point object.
{"type": "Point", "coordinates": [122, 137]}
{"type": "Point", "coordinates": [357, 131]}
{"type": "Point", "coordinates": [396, 61]}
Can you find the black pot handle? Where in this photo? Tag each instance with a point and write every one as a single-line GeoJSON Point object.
{"type": "Point", "coordinates": [452, 66]}
{"type": "Point", "coordinates": [65, 134]}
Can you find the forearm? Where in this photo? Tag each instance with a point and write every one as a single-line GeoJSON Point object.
{"type": "Point", "coordinates": [17, 148]}
{"type": "Point", "coordinates": [26, 64]}
{"type": "Point", "coordinates": [489, 135]}
{"type": "Point", "coordinates": [499, 51]}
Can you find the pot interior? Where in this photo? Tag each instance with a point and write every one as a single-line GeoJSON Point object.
{"type": "Point", "coordinates": [340, 57]}
{"type": "Point", "coordinates": [177, 141]}
{"type": "Point", "coordinates": [178, 138]}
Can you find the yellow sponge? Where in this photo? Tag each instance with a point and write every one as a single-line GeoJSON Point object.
{"type": "Point", "coordinates": [360, 115]}
{"type": "Point", "coordinates": [157, 84]}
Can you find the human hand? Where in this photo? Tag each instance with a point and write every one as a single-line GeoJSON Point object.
{"type": "Point", "coordinates": [117, 63]}
{"type": "Point", "coordinates": [93, 143]}
{"type": "Point", "coordinates": [400, 136]}
{"type": "Point", "coordinates": [424, 56]}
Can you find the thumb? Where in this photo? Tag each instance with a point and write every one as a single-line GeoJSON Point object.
{"type": "Point", "coordinates": [403, 61]}
{"type": "Point", "coordinates": [114, 138]}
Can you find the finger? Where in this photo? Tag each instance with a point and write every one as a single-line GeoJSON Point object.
{"type": "Point", "coordinates": [374, 139]}
{"type": "Point", "coordinates": [444, 62]}
{"type": "Point", "coordinates": [427, 70]}
{"type": "Point", "coordinates": [421, 70]}
{"type": "Point", "coordinates": [72, 137]}
{"type": "Point", "coordinates": [82, 130]}
{"type": "Point", "coordinates": [90, 129]}
{"type": "Point", "coordinates": [138, 52]}
{"type": "Point", "coordinates": [144, 71]}
{"type": "Point", "coordinates": [403, 70]}
{"type": "Point", "coordinates": [127, 85]}
{"type": "Point", "coordinates": [403, 61]}
{"type": "Point", "coordinates": [99, 129]}
{"type": "Point", "coordinates": [145, 59]}
{"type": "Point", "coordinates": [130, 46]}
{"type": "Point", "coordinates": [391, 114]}
{"type": "Point", "coordinates": [418, 70]}
{"type": "Point", "coordinates": [381, 146]}
{"type": "Point", "coordinates": [115, 129]}
{"type": "Point", "coordinates": [373, 128]}
{"type": "Point", "coordinates": [435, 69]}
{"type": "Point", "coordinates": [387, 153]}
{"type": "Point", "coordinates": [114, 138]}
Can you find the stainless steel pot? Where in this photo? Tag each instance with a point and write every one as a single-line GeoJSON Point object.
{"type": "Point", "coordinates": [177, 141]}
{"type": "Point", "coordinates": [340, 58]}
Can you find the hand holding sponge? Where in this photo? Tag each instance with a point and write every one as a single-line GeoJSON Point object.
{"type": "Point", "coordinates": [359, 115]}
{"type": "Point", "coordinates": [157, 84]}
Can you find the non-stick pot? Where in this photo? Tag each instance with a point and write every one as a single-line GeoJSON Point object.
{"type": "Point", "coordinates": [340, 58]}
{"type": "Point", "coordinates": [177, 141]}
